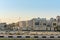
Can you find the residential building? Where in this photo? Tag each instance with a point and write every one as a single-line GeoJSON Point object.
{"type": "Point", "coordinates": [41, 24]}
{"type": "Point", "coordinates": [3, 26]}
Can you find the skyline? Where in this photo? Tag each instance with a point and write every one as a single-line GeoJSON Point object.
{"type": "Point", "coordinates": [17, 19]}
{"type": "Point", "coordinates": [29, 9]}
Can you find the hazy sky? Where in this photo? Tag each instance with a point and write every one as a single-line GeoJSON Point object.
{"type": "Point", "coordinates": [29, 8]}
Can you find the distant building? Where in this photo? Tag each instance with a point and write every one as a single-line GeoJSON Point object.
{"type": "Point", "coordinates": [58, 23]}
{"type": "Point", "coordinates": [22, 23]}
{"type": "Point", "coordinates": [3, 26]}
{"type": "Point", "coordinates": [41, 24]}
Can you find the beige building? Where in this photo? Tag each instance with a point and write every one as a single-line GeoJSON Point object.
{"type": "Point", "coordinates": [22, 23]}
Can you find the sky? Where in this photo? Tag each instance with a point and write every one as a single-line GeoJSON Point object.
{"type": "Point", "coordinates": [27, 9]}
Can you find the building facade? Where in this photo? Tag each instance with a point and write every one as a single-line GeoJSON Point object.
{"type": "Point", "coordinates": [42, 24]}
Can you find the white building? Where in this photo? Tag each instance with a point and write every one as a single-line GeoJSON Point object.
{"type": "Point", "coordinates": [42, 24]}
{"type": "Point", "coordinates": [36, 22]}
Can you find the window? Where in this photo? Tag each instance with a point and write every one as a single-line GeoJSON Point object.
{"type": "Point", "coordinates": [35, 36]}
{"type": "Point", "coordinates": [54, 19]}
{"type": "Point", "coordinates": [58, 36]}
{"type": "Point", "coordinates": [44, 23]}
{"type": "Point", "coordinates": [19, 36]}
{"type": "Point", "coordinates": [10, 36]}
{"type": "Point", "coordinates": [5, 26]}
{"type": "Point", "coordinates": [1, 36]}
{"type": "Point", "coordinates": [43, 36]}
{"type": "Point", "coordinates": [48, 25]}
{"type": "Point", "coordinates": [54, 24]}
{"type": "Point", "coordinates": [27, 36]}
{"type": "Point", "coordinates": [36, 23]}
{"type": "Point", "coordinates": [51, 36]}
